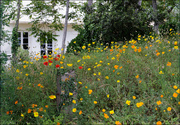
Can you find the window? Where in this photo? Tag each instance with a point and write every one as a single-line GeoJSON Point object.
{"type": "Point", "coordinates": [46, 47]}
{"type": "Point", "coordinates": [23, 40]}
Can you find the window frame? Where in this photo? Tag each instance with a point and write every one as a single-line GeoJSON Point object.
{"type": "Point", "coordinates": [22, 43]}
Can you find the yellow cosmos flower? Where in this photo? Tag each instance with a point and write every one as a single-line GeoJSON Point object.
{"type": "Point", "coordinates": [163, 52]}
{"type": "Point", "coordinates": [161, 72]}
{"type": "Point", "coordinates": [41, 73]}
{"type": "Point", "coordinates": [134, 97]}
{"type": "Point", "coordinates": [175, 47]}
{"type": "Point", "coordinates": [113, 58]}
{"type": "Point", "coordinates": [169, 108]}
{"type": "Point", "coordinates": [106, 116]}
{"type": "Point", "coordinates": [107, 95]}
{"type": "Point", "coordinates": [80, 112]}
{"type": "Point", "coordinates": [128, 102]}
{"type": "Point", "coordinates": [93, 42]}
{"type": "Point", "coordinates": [159, 102]}
{"type": "Point", "coordinates": [81, 99]}
{"type": "Point", "coordinates": [137, 76]}
{"type": "Point", "coordinates": [52, 96]}
{"type": "Point", "coordinates": [107, 77]}
{"type": "Point", "coordinates": [103, 110]}
{"type": "Point", "coordinates": [118, 81]}
{"type": "Point", "coordinates": [70, 94]}
{"type": "Point", "coordinates": [74, 42]}
{"type": "Point", "coordinates": [74, 101]}
{"type": "Point", "coordinates": [175, 87]}
{"type": "Point", "coordinates": [175, 43]}
{"type": "Point", "coordinates": [178, 91]}
{"type": "Point", "coordinates": [95, 102]}
{"type": "Point", "coordinates": [118, 123]}
{"type": "Point", "coordinates": [175, 95]}
{"type": "Point", "coordinates": [169, 64]}
{"type": "Point", "coordinates": [36, 114]}
{"type": "Point", "coordinates": [74, 110]}
{"type": "Point", "coordinates": [89, 69]}
{"type": "Point", "coordinates": [111, 112]}
{"type": "Point", "coordinates": [80, 82]}
{"type": "Point", "coordinates": [17, 70]}
{"type": "Point", "coordinates": [90, 91]}
{"type": "Point", "coordinates": [99, 73]}
{"type": "Point", "coordinates": [69, 65]}
{"type": "Point", "coordinates": [26, 74]}
{"type": "Point", "coordinates": [139, 104]}
{"type": "Point", "coordinates": [83, 47]}
{"type": "Point", "coordinates": [159, 123]}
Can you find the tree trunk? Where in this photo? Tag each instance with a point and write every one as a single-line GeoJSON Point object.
{"type": "Point", "coordinates": [156, 22]}
{"type": "Point", "coordinates": [15, 34]}
{"type": "Point", "coordinates": [65, 27]}
{"type": "Point", "coordinates": [1, 11]}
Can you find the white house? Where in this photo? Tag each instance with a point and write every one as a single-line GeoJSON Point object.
{"type": "Point", "coordinates": [28, 42]}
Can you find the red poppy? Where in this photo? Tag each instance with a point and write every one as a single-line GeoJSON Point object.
{"type": "Point", "coordinates": [58, 56]}
{"type": "Point", "coordinates": [56, 59]}
{"type": "Point", "coordinates": [57, 66]}
{"type": "Point", "coordinates": [45, 63]}
{"type": "Point", "coordinates": [80, 67]}
{"type": "Point", "coordinates": [44, 57]}
{"type": "Point", "coordinates": [50, 61]}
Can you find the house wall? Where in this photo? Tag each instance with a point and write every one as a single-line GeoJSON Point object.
{"type": "Point", "coordinates": [34, 46]}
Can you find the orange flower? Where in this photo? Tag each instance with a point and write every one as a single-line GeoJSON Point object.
{"type": "Point", "coordinates": [46, 106]}
{"type": "Point", "coordinates": [159, 123]}
{"type": "Point", "coordinates": [118, 123]}
{"type": "Point", "coordinates": [158, 102]}
{"type": "Point", "coordinates": [29, 110]}
{"type": "Point", "coordinates": [161, 96]}
{"type": "Point", "coordinates": [137, 76]}
{"type": "Point", "coordinates": [175, 95]}
{"type": "Point", "coordinates": [169, 108]}
{"type": "Point", "coordinates": [80, 112]}
{"type": "Point", "coordinates": [58, 123]}
{"type": "Point", "coordinates": [41, 109]}
{"type": "Point", "coordinates": [157, 54]}
{"type": "Point", "coordinates": [106, 116]}
{"type": "Point", "coordinates": [173, 74]}
{"type": "Point", "coordinates": [169, 64]}
{"type": "Point", "coordinates": [146, 47]}
{"type": "Point", "coordinates": [7, 112]}
{"type": "Point", "coordinates": [39, 84]}
{"type": "Point", "coordinates": [140, 81]}
{"type": "Point", "coordinates": [90, 91]}
{"type": "Point", "coordinates": [111, 50]}
{"type": "Point", "coordinates": [116, 66]}
{"type": "Point", "coordinates": [16, 102]}
{"type": "Point", "coordinates": [139, 50]}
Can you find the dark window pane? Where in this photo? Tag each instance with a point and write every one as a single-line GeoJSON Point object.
{"type": "Point", "coordinates": [25, 34]}
{"type": "Point", "coordinates": [25, 40]}
{"type": "Point", "coordinates": [49, 52]}
{"type": "Point", "coordinates": [25, 46]}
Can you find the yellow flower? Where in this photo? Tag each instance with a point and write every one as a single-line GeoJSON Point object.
{"type": "Point", "coordinates": [118, 123]}
{"type": "Point", "coordinates": [69, 65]}
{"type": "Point", "coordinates": [175, 47]}
{"type": "Point", "coordinates": [80, 82]}
{"type": "Point", "coordinates": [41, 73]}
{"type": "Point", "coordinates": [22, 115]}
{"type": "Point", "coordinates": [52, 96]}
{"type": "Point", "coordinates": [175, 95]}
{"type": "Point", "coordinates": [134, 97]}
{"type": "Point", "coordinates": [157, 54]}
{"type": "Point", "coordinates": [93, 42]}
{"type": "Point", "coordinates": [161, 72]}
{"type": "Point", "coordinates": [118, 81]}
{"type": "Point", "coordinates": [169, 64]}
{"type": "Point", "coordinates": [116, 66]}
{"type": "Point", "coordinates": [95, 102]}
{"type": "Point", "coordinates": [128, 102]}
{"type": "Point", "coordinates": [106, 116]}
{"type": "Point", "coordinates": [90, 91]}
{"type": "Point", "coordinates": [78, 60]}
{"type": "Point", "coordinates": [83, 47]}
{"type": "Point", "coordinates": [36, 114]}
{"type": "Point", "coordinates": [89, 69]}
{"type": "Point", "coordinates": [163, 52]}
{"type": "Point", "coordinates": [178, 91]}
{"type": "Point", "coordinates": [175, 43]}
{"type": "Point", "coordinates": [112, 58]}
{"type": "Point", "coordinates": [80, 112]}
{"type": "Point", "coordinates": [17, 70]}
{"type": "Point", "coordinates": [159, 123]}
{"type": "Point", "coordinates": [169, 108]}
{"type": "Point", "coordinates": [175, 87]}
{"type": "Point", "coordinates": [159, 102]}
{"type": "Point", "coordinates": [94, 73]}
{"type": "Point", "coordinates": [107, 95]}
{"type": "Point", "coordinates": [74, 101]}
{"type": "Point", "coordinates": [139, 104]}
{"type": "Point", "coordinates": [74, 110]}
{"type": "Point", "coordinates": [81, 99]}
{"type": "Point", "coordinates": [99, 73]}
{"type": "Point", "coordinates": [107, 77]}
{"type": "Point", "coordinates": [137, 76]}
{"type": "Point", "coordinates": [111, 112]}
{"type": "Point", "coordinates": [26, 74]}
{"type": "Point", "coordinates": [108, 63]}
{"type": "Point", "coordinates": [103, 110]}
{"type": "Point", "coordinates": [70, 94]}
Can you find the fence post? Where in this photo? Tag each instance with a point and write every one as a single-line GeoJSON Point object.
{"type": "Point", "coordinates": [58, 94]}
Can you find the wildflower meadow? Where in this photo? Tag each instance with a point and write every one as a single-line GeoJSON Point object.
{"type": "Point", "coordinates": [132, 83]}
